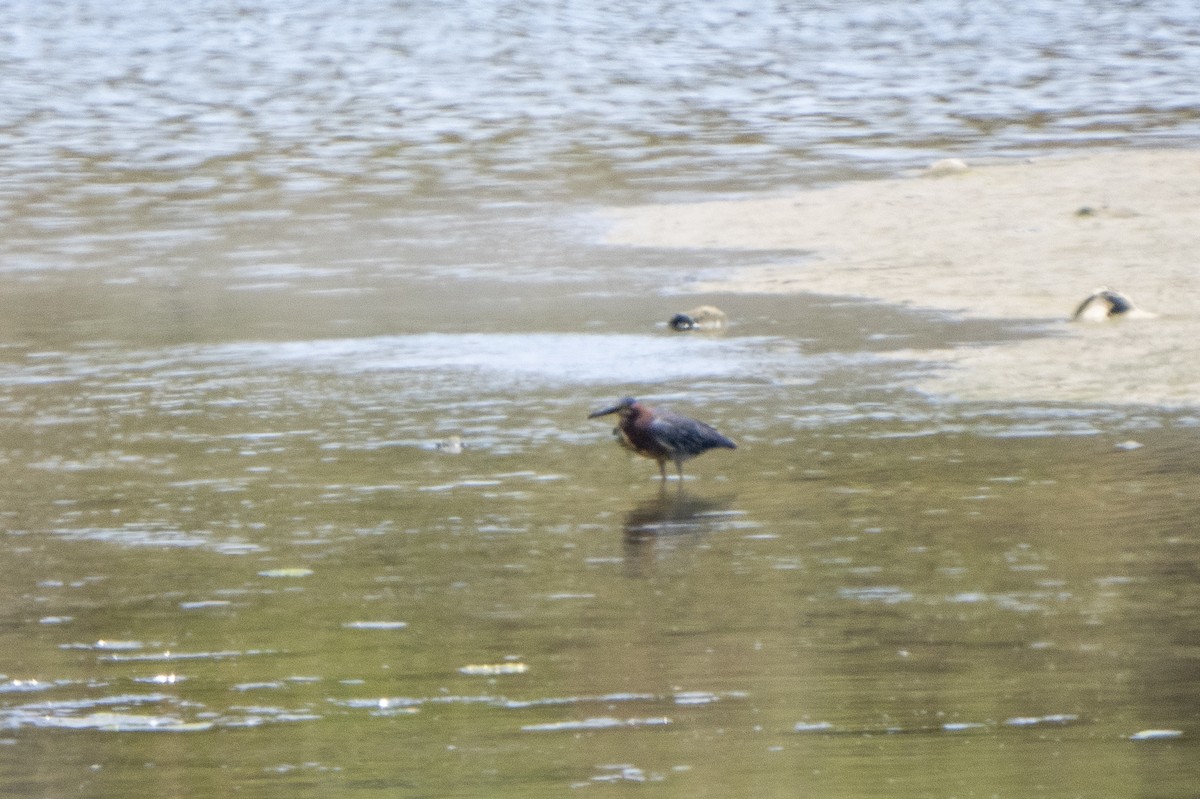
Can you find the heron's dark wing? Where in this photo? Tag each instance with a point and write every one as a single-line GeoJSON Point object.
{"type": "Point", "coordinates": [683, 437]}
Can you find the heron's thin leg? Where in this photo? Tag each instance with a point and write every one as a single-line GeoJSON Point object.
{"type": "Point", "coordinates": [679, 468]}
{"type": "Point", "coordinates": [662, 469]}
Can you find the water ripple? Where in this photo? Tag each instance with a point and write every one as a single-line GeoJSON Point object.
{"type": "Point", "coordinates": [569, 358]}
{"type": "Point", "coordinates": [535, 99]}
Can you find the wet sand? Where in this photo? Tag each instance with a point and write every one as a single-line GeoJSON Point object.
{"type": "Point", "coordinates": [1024, 240]}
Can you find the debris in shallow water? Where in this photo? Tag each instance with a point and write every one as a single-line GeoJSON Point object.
{"type": "Point", "coordinates": [1129, 446]}
{"type": "Point", "coordinates": [451, 446]}
{"type": "Point", "coordinates": [1156, 735]}
{"type": "Point", "coordinates": [813, 726]}
{"type": "Point", "coordinates": [493, 669]}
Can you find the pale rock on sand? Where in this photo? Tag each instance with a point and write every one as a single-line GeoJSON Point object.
{"type": "Point", "coordinates": [946, 167]}
{"type": "Point", "coordinates": [1004, 241]}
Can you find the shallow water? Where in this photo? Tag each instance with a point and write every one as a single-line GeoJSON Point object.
{"type": "Point", "coordinates": [257, 547]}
{"type": "Point", "coordinates": [258, 262]}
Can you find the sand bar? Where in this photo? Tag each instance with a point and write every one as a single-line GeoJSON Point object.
{"type": "Point", "coordinates": [1019, 240]}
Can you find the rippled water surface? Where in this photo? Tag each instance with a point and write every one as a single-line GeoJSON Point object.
{"type": "Point", "coordinates": [259, 260]}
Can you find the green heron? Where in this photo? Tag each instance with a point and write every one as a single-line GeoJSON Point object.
{"type": "Point", "coordinates": [706, 317]}
{"type": "Point", "coordinates": [662, 435]}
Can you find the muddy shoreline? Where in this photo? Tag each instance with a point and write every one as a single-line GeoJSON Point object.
{"type": "Point", "coordinates": [1025, 240]}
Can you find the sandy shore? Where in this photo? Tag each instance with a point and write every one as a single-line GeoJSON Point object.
{"type": "Point", "coordinates": [1022, 240]}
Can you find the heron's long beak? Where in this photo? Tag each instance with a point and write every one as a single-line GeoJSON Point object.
{"type": "Point", "coordinates": [604, 412]}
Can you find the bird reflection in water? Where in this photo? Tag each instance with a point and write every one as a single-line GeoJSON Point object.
{"type": "Point", "coordinates": [669, 520]}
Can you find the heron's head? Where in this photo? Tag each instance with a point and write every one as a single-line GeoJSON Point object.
{"type": "Point", "coordinates": [623, 407]}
